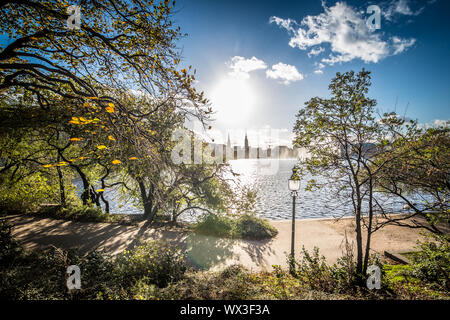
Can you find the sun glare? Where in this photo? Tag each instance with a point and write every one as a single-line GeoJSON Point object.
{"type": "Point", "coordinates": [233, 100]}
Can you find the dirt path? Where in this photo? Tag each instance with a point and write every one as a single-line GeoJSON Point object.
{"type": "Point", "coordinates": [209, 252]}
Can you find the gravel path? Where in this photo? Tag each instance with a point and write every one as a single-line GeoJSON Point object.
{"type": "Point", "coordinates": [209, 252]}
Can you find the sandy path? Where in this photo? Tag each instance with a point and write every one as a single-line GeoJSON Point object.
{"type": "Point", "coordinates": [209, 252]}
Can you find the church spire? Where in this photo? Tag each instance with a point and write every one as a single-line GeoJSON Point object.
{"type": "Point", "coordinates": [246, 140]}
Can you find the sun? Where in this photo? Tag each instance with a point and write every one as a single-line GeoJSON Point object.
{"type": "Point", "coordinates": [233, 100]}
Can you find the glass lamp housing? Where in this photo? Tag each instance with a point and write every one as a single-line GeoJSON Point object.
{"type": "Point", "coordinates": [294, 184]}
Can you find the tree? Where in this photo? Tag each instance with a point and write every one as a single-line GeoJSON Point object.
{"type": "Point", "coordinates": [344, 139]}
{"type": "Point", "coordinates": [103, 97]}
{"type": "Point", "coordinates": [418, 176]}
{"type": "Point", "coordinates": [120, 46]}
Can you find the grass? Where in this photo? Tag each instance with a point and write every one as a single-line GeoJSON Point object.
{"type": "Point", "coordinates": [246, 226]}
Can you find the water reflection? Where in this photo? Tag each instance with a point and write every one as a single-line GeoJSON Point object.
{"type": "Point", "coordinates": [274, 200]}
{"type": "Point", "coordinates": [269, 177]}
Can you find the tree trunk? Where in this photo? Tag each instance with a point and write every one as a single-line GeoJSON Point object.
{"type": "Point", "coordinates": [102, 196]}
{"type": "Point", "coordinates": [85, 194]}
{"type": "Point", "coordinates": [369, 228]}
{"type": "Point", "coordinates": [62, 191]}
{"type": "Point", "coordinates": [149, 211]}
{"type": "Point", "coordinates": [106, 202]}
{"type": "Point", "coordinates": [359, 249]}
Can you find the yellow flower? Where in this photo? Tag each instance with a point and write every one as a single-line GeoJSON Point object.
{"type": "Point", "coordinates": [116, 161]}
{"type": "Point", "coordinates": [111, 138]}
{"type": "Point", "coordinates": [110, 108]}
{"type": "Point", "coordinates": [74, 120]}
{"type": "Point", "coordinates": [48, 165]}
{"type": "Point", "coordinates": [132, 158]}
{"type": "Point", "coordinates": [76, 139]}
{"type": "Point", "coordinates": [102, 147]}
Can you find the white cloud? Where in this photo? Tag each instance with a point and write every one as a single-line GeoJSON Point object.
{"type": "Point", "coordinates": [437, 123]}
{"type": "Point", "coordinates": [344, 29]}
{"type": "Point", "coordinates": [241, 66]}
{"type": "Point", "coordinates": [288, 24]}
{"type": "Point", "coordinates": [284, 72]}
{"type": "Point", "coordinates": [441, 123]}
{"type": "Point", "coordinates": [401, 45]}
{"type": "Point", "coordinates": [319, 67]}
{"type": "Point", "coordinates": [400, 7]}
{"type": "Point", "coordinates": [315, 52]}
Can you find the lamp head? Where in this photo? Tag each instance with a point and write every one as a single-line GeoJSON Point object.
{"type": "Point", "coordinates": [294, 181]}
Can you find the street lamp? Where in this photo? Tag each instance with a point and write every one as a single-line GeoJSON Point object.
{"type": "Point", "coordinates": [294, 186]}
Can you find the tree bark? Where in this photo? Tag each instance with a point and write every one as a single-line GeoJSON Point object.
{"type": "Point", "coordinates": [359, 249]}
{"type": "Point", "coordinates": [369, 227]}
{"type": "Point", "coordinates": [62, 191]}
{"type": "Point", "coordinates": [147, 200]}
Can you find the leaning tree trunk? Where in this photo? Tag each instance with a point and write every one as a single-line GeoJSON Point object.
{"type": "Point", "coordinates": [85, 195]}
{"type": "Point", "coordinates": [369, 227]}
{"type": "Point", "coordinates": [359, 249]}
{"type": "Point", "coordinates": [147, 201]}
{"type": "Point", "coordinates": [62, 191]}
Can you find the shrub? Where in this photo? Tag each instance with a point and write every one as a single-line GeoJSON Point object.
{"type": "Point", "coordinates": [231, 283]}
{"type": "Point", "coordinates": [9, 248]}
{"type": "Point", "coordinates": [313, 270]}
{"type": "Point", "coordinates": [215, 225]}
{"type": "Point", "coordinates": [432, 262]}
{"type": "Point", "coordinates": [25, 195]}
{"type": "Point", "coordinates": [160, 263]}
{"type": "Point", "coordinates": [143, 289]}
{"type": "Point", "coordinates": [247, 226]}
{"type": "Point", "coordinates": [41, 274]}
{"type": "Point", "coordinates": [344, 274]}
{"type": "Point", "coordinates": [252, 227]}
{"type": "Point", "coordinates": [96, 274]}
{"type": "Point", "coordinates": [35, 275]}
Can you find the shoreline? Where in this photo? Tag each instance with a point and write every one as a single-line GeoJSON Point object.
{"type": "Point", "coordinates": [135, 215]}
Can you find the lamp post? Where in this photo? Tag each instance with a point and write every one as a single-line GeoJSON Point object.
{"type": "Point", "coordinates": [294, 186]}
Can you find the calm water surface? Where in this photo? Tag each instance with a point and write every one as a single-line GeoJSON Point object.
{"type": "Point", "coordinates": [269, 178]}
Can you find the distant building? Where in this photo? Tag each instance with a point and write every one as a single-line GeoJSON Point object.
{"type": "Point", "coordinates": [247, 149]}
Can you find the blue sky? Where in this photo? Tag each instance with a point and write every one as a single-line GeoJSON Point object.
{"type": "Point", "coordinates": [259, 63]}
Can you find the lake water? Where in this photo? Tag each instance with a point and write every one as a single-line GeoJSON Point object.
{"type": "Point", "coordinates": [269, 177]}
